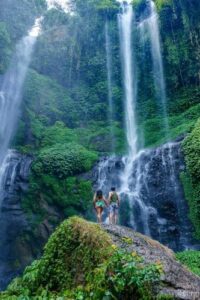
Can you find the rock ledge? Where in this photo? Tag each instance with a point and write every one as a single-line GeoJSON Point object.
{"type": "Point", "coordinates": [177, 280]}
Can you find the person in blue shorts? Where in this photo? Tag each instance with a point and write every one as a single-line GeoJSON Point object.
{"type": "Point", "coordinates": [114, 201]}
{"type": "Point", "coordinates": [99, 204]}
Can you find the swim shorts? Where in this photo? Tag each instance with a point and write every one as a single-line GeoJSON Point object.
{"type": "Point", "coordinates": [113, 208]}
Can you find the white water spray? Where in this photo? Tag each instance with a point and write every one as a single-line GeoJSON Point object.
{"type": "Point", "coordinates": [63, 4]}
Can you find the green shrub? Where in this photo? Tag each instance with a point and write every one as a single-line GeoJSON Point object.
{"type": "Point", "coordinates": [63, 160]}
{"type": "Point", "coordinates": [191, 259]}
{"type": "Point", "coordinates": [191, 147]}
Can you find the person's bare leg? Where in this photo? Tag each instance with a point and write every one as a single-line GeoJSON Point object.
{"type": "Point", "coordinates": [98, 215]}
{"type": "Point", "coordinates": [110, 218]}
{"type": "Point", "coordinates": [115, 218]}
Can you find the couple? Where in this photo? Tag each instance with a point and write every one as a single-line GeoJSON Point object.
{"type": "Point", "coordinates": [113, 203]}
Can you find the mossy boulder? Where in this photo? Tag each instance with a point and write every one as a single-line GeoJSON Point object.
{"type": "Point", "coordinates": [84, 261]}
{"type": "Point", "coordinates": [80, 261]}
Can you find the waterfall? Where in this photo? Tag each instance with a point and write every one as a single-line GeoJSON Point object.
{"type": "Point", "coordinates": [11, 89]}
{"type": "Point", "coordinates": [151, 26]}
{"type": "Point", "coordinates": [125, 21]}
{"type": "Point", "coordinates": [109, 80]}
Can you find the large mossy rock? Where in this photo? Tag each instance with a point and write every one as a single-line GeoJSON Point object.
{"type": "Point", "coordinates": [83, 261]}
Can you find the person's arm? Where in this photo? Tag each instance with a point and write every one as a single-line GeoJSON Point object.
{"type": "Point", "coordinates": [118, 200]}
{"type": "Point", "coordinates": [109, 197]}
{"type": "Point", "coordinates": [105, 201]}
{"type": "Point", "coordinates": [94, 200]}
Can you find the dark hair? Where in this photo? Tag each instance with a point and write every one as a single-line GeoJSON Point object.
{"type": "Point", "coordinates": [113, 189]}
{"type": "Point", "coordinates": [99, 194]}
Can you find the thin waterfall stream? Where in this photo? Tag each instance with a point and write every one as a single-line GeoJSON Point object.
{"type": "Point", "coordinates": [11, 89]}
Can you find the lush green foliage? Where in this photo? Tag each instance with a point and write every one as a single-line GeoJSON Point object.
{"type": "Point", "coordinates": [72, 195]}
{"type": "Point", "coordinates": [19, 16]}
{"type": "Point", "coordinates": [80, 262]}
{"type": "Point", "coordinates": [191, 148]}
{"type": "Point", "coordinates": [191, 259]}
{"type": "Point", "coordinates": [63, 160]}
{"type": "Point", "coordinates": [5, 44]}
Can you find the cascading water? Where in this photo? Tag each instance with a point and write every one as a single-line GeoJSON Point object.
{"type": "Point", "coordinates": [152, 206]}
{"type": "Point", "coordinates": [125, 21]}
{"type": "Point", "coordinates": [109, 79]}
{"type": "Point", "coordinates": [10, 100]}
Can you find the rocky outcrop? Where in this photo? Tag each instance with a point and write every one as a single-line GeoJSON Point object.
{"type": "Point", "coordinates": [177, 280]}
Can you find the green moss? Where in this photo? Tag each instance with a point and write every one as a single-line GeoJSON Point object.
{"type": "Point", "coordinates": [74, 249]}
{"type": "Point", "coordinates": [191, 147]}
{"type": "Point", "coordinates": [191, 259]}
{"type": "Point", "coordinates": [190, 197]}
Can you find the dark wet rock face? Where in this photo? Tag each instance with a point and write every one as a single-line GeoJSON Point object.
{"type": "Point", "coordinates": [22, 236]}
{"type": "Point", "coordinates": [153, 202]}
{"type": "Point", "coordinates": [176, 281]}
{"type": "Point", "coordinates": [15, 252]}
